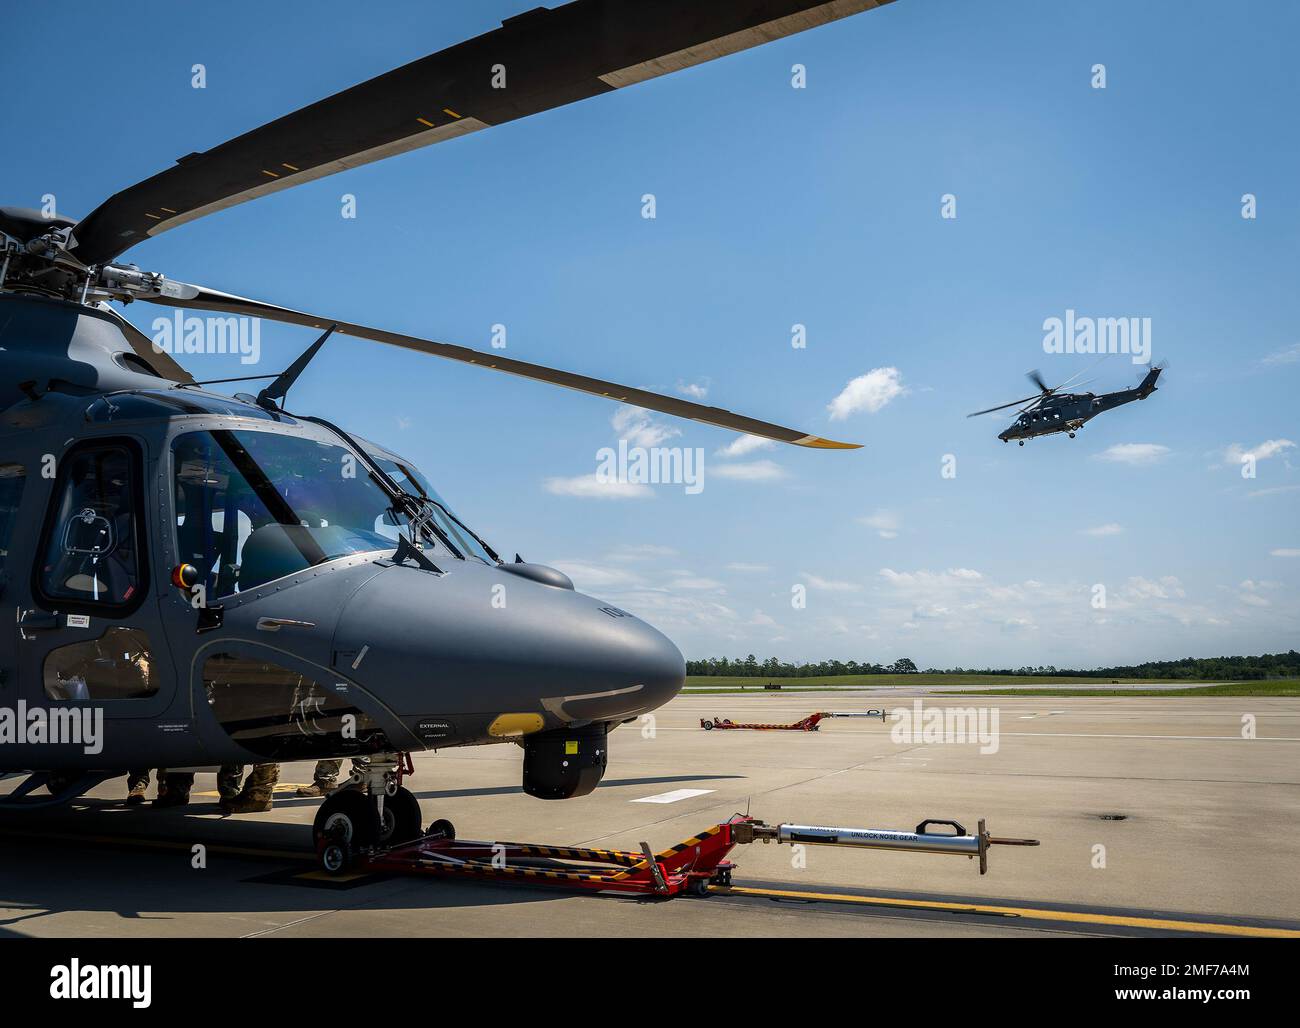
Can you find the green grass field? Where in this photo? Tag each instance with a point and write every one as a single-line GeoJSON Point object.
{"type": "Point", "coordinates": [1001, 685]}
{"type": "Point", "coordinates": [1278, 687]}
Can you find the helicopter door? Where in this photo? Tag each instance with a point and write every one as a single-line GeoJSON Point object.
{"type": "Point", "coordinates": [91, 634]}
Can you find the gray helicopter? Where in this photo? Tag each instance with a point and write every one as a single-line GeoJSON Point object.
{"type": "Point", "coordinates": [196, 579]}
{"type": "Point", "coordinates": [1051, 411]}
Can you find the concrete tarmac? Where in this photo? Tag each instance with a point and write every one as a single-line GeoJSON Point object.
{"type": "Point", "coordinates": [1156, 816]}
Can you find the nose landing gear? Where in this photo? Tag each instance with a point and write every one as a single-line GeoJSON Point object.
{"type": "Point", "coordinates": [373, 810]}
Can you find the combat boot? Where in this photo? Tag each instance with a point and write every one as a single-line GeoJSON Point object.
{"type": "Point", "coordinates": [137, 794]}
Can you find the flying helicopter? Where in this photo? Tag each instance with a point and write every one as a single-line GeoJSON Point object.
{"type": "Point", "coordinates": [1050, 411]}
{"type": "Point", "coordinates": [217, 579]}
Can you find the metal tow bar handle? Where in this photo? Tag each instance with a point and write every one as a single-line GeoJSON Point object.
{"type": "Point", "coordinates": [958, 842]}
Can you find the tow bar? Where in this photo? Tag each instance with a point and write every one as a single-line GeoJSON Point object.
{"type": "Point", "coordinates": [808, 724]}
{"type": "Point", "coordinates": [692, 865]}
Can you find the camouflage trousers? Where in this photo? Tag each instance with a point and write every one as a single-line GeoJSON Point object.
{"type": "Point", "coordinates": [259, 785]}
{"type": "Point", "coordinates": [138, 776]}
{"type": "Point", "coordinates": [327, 771]}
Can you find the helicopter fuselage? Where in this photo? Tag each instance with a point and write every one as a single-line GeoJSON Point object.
{"type": "Point", "coordinates": [315, 619]}
{"type": "Point", "coordinates": [1068, 412]}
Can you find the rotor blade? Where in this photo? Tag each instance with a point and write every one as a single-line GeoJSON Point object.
{"type": "Point", "coordinates": [180, 294]}
{"type": "Point", "coordinates": [537, 61]}
{"type": "Point", "coordinates": [1037, 379]}
{"type": "Point", "coordinates": [161, 362]}
{"type": "Point", "coordinates": [1003, 406]}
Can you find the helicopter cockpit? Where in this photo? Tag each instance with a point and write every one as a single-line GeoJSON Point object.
{"type": "Point", "coordinates": [255, 506]}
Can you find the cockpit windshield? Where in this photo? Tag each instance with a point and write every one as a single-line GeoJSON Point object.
{"type": "Point", "coordinates": [410, 480]}
{"type": "Point", "coordinates": [253, 506]}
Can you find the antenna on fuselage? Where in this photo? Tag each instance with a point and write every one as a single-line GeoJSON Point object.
{"type": "Point", "coordinates": [278, 389]}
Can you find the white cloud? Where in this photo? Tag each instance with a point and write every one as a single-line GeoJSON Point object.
{"type": "Point", "coordinates": [694, 582]}
{"type": "Point", "coordinates": [869, 392]}
{"type": "Point", "coordinates": [695, 390]}
{"type": "Point", "coordinates": [1112, 528]}
{"type": "Point", "coordinates": [745, 444]}
{"type": "Point", "coordinates": [885, 522]}
{"type": "Point", "coordinates": [639, 428]}
{"type": "Point", "coordinates": [740, 565]}
{"type": "Point", "coordinates": [1287, 355]}
{"type": "Point", "coordinates": [591, 487]}
{"type": "Point", "coordinates": [1235, 453]}
{"type": "Point", "coordinates": [753, 471]}
{"type": "Point", "coordinates": [1165, 588]}
{"type": "Point", "coordinates": [641, 551]}
{"type": "Point", "coordinates": [1134, 453]}
{"type": "Point", "coordinates": [1287, 552]}
{"type": "Point", "coordinates": [830, 585]}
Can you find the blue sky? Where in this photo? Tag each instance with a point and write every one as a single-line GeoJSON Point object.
{"type": "Point", "coordinates": [777, 206]}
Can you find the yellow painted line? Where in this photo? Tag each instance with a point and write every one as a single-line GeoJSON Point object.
{"type": "Point", "coordinates": [271, 173]}
{"type": "Point", "coordinates": [280, 787]}
{"type": "Point", "coordinates": [423, 122]}
{"type": "Point", "coordinates": [289, 166]}
{"type": "Point", "coordinates": [1036, 913]}
{"type": "Point", "coordinates": [448, 110]}
{"type": "Point", "coordinates": [154, 216]}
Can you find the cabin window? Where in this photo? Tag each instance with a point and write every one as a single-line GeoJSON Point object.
{"type": "Point", "coordinates": [116, 666]}
{"type": "Point", "coordinates": [12, 479]}
{"type": "Point", "coordinates": [280, 714]}
{"type": "Point", "coordinates": [92, 557]}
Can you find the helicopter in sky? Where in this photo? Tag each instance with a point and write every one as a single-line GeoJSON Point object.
{"type": "Point", "coordinates": [1050, 411]}
{"type": "Point", "coordinates": [196, 579]}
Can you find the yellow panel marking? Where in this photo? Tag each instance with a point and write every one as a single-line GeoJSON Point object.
{"type": "Point", "coordinates": [271, 173]}
{"type": "Point", "coordinates": [167, 209]}
{"type": "Point", "coordinates": [570, 747]}
{"type": "Point", "coordinates": [1038, 914]}
{"type": "Point", "coordinates": [289, 166]}
{"type": "Point", "coordinates": [422, 121]}
{"type": "Point", "coordinates": [448, 110]}
{"type": "Point", "coordinates": [515, 724]}
{"type": "Point", "coordinates": [154, 216]}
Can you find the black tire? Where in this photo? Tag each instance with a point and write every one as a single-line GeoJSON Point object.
{"type": "Point", "coordinates": [708, 726]}
{"type": "Point", "coordinates": [441, 829]}
{"type": "Point", "coordinates": [345, 823]}
{"type": "Point", "coordinates": [401, 819]}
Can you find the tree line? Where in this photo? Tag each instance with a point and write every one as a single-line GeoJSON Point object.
{"type": "Point", "coordinates": [1227, 669]}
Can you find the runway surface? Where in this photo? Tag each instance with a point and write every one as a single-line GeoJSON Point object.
{"type": "Point", "coordinates": [1156, 816]}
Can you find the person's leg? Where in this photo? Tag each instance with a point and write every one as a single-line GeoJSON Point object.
{"type": "Point", "coordinates": [137, 783]}
{"type": "Point", "coordinates": [228, 777]}
{"type": "Point", "coordinates": [324, 779]}
{"type": "Point", "coordinates": [174, 788]}
{"type": "Point", "coordinates": [259, 787]}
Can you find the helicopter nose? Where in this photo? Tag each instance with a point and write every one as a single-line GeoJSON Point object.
{"type": "Point", "coordinates": [460, 644]}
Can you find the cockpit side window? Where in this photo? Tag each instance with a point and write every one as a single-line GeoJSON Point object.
{"type": "Point", "coordinates": [92, 557]}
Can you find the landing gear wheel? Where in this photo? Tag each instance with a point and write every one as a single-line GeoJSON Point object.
{"type": "Point", "coordinates": [400, 821]}
{"type": "Point", "coordinates": [708, 726]}
{"type": "Point", "coordinates": [1022, 442]}
{"type": "Point", "coordinates": [344, 825]}
{"type": "Point", "coordinates": [1071, 435]}
{"type": "Point", "coordinates": [441, 829]}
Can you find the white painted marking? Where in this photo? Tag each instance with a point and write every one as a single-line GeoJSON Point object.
{"type": "Point", "coordinates": [674, 796]}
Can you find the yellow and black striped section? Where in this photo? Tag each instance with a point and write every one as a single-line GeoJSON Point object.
{"type": "Point", "coordinates": [475, 867]}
